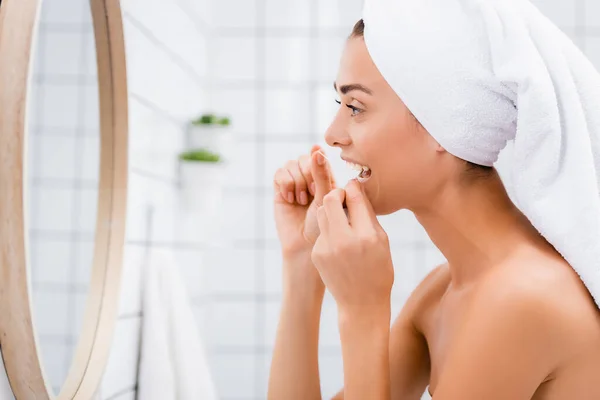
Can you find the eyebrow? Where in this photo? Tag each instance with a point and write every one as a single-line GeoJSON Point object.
{"type": "Point", "coordinates": [344, 89]}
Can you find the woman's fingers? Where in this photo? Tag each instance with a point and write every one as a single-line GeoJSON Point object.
{"type": "Point", "coordinates": [323, 221]}
{"type": "Point", "coordinates": [360, 210]}
{"type": "Point", "coordinates": [301, 190]}
{"type": "Point", "coordinates": [321, 173]}
{"type": "Point", "coordinates": [307, 177]}
{"type": "Point", "coordinates": [334, 207]}
{"type": "Point", "coordinates": [304, 163]}
{"type": "Point", "coordinates": [283, 183]}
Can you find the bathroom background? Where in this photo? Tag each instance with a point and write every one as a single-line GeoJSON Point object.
{"type": "Point", "coordinates": [269, 65]}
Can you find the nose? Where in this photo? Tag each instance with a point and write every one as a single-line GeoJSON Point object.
{"type": "Point", "coordinates": [337, 135]}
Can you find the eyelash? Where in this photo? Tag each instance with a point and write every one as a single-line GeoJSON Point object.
{"type": "Point", "coordinates": [355, 110]}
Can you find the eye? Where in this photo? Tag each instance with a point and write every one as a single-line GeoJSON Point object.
{"type": "Point", "coordinates": [355, 110]}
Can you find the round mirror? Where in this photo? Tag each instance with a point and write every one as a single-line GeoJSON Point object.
{"type": "Point", "coordinates": [63, 170]}
{"type": "Point", "coordinates": [61, 181]}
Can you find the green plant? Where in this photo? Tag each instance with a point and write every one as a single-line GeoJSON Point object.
{"type": "Point", "coordinates": [211, 119]}
{"type": "Point", "coordinates": [225, 121]}
{"type": "Point", "coordinates": [205, 119]}
{"type": "Point", "coordinates": [200, 155]}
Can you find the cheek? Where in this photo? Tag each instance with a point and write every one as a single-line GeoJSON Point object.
{"type": "Point", "coordinates": [389, 150]}
{"type": "Point", "coordinates": [397, 157]}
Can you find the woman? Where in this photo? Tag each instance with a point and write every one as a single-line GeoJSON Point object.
{"type": "Point", "coordinates": [505, 318]}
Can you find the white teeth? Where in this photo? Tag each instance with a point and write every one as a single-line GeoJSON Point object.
{"type": "Point", "coordinates": [356, 167]}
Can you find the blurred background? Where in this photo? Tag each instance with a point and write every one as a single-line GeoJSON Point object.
{"type": "Point", "coordinates": [267, 65]}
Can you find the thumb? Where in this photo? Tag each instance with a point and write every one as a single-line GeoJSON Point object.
{"type": "Point", "coordinates": [360, 211]}
{"type": "Point", "coordinates": [322, 176]}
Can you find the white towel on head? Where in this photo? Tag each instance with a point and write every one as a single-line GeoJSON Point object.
{"type": "Point", "coordinates": [477, 73]}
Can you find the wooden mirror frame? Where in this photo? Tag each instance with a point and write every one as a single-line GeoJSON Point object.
{"type": "Point", "coordinates": [18, 27]}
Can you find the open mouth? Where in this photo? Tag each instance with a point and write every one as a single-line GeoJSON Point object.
{"type": "Point", "coordinates": [364, 172]}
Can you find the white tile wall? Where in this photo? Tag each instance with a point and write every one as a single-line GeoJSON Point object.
{"type": "Point", "coordinates": [57, 255]}
{"type": "Point", "coordinates": [228, 271]}
{"type": "Point", "coordinates": [592, 10]}
{"type": "Point", "coordinates": [166, 70]}
{"type": "Point", "coordinates": [50, 312]}
{"type": "Point", "coordinates": [277, 88]}
{"type": "Point", "coordinates": [242, 168]}
{"type": "Point", "coordinates": [287, 14]}
{"type": "Point", "coordinates": [54, 362]}
{"type": "Point", "coordinates": [285, 111]}
{"type": "Point", "coordinates": [65, 12]}
{"type": "Point", "coordinates": [331, 370]}
{"type": "Point", "coordinates": [234, 58]}
{"type": "Point", "coordinates": [65, 55]}
{"type": "Point", "coordinates": [238, 368]}
{"type": "Point", "coordinates": [592, 46]}
{"type": "Point", "coordinates": [287, 59]}
{"type": "Point", "coordinates": [58, 114]}
{"type": "Point", "coordinates": [241, 106]}
{"type": "Point", "coordinates": [562, 13]}
{"type": "Point", "coordinates": [232, 324]}
{"type": "Point", "coordinates": [233, 13]}
{"type": "Point", "coordinates": [329, 51]}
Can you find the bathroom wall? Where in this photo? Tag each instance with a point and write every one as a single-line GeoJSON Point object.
{"type": "Point", "coordinates": [166, 62]}
{"type": "Point", "coordinates": [270, 65]}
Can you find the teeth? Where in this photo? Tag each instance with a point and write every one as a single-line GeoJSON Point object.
{"type": "Point", "coordinates": [356, 167]}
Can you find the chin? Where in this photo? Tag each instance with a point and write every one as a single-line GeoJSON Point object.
{"type": "Point", "coordinates": [381, 207]}
{"type": "Point", "coordinates": [380, 203]}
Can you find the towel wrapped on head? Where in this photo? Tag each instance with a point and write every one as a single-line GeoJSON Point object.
{"type": "Point", "coordinates": [478, 73]}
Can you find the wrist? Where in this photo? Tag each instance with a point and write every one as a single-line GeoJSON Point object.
{"type": "Point", "coordinates": [300, 277]}
{"type": "Point", "coordinates": [302, 256]}
{"type": "Point", "coordinates": [375, 319]}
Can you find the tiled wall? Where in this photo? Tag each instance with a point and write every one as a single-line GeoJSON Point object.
{"type": "Point", "coordinates": [270, 65]}
{"type": "Point", "coordinates": [165, 44]}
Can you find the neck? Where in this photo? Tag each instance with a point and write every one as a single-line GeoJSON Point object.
{"type": "Point", "coordinates": [476, 227]}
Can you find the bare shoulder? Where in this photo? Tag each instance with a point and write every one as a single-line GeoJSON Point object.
{"type": "Point", "coordinates": [543, 293]}
{"type": "Point", "coordinates": [427, 295]}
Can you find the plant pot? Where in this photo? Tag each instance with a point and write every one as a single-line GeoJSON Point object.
{"type": "Point", "coordinates": [216, 138]}
{"type": "Point", "coordinates": [202, 185]}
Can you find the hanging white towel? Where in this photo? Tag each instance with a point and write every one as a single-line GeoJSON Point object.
{"type": "Point", "coordinates": [173, 364]}
{"type": "Point", "coordinates": [478, 73]}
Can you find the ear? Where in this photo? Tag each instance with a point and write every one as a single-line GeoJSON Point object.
{"type": "Point", "coordinates": [439, 148]}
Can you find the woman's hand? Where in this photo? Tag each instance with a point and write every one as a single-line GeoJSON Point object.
{"type": "Point", "coordinates": [352, 253]}
{"type": "Point", "coordinates": [300, 187]}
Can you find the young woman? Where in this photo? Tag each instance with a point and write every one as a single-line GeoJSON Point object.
{"type": "Point", "coordinates": [505, 318]}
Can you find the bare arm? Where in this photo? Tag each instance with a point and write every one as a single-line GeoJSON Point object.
{"type": "Point", "coordinates": [294, 368]}
{"type": "Point", "coordinates": [365, 349]}
{"type": "Point", "coordinates": [409, 364]}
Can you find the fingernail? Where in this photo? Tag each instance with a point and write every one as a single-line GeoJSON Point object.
{"type": "Point", "coordinates": [320, 158]}
{"type": "Point", "coordinates": [303, 198]}
{"type": "Point", "coordinates": [291, 197]}
{"type": "Point", "coordinates": [313, 188]}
